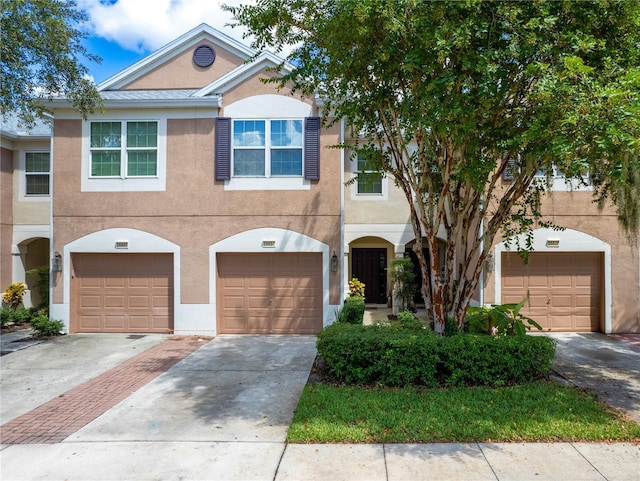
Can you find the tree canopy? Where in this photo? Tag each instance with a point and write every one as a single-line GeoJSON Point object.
{"type": "Point", "coordinates": [41, 57]}
{"type": "Point", "coordinates": [445, 96]}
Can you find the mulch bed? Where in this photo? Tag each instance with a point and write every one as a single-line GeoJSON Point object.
{"type": "Point", "coordinates": [14, 327]}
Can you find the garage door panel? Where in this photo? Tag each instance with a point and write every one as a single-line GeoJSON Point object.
{"type": "Point", "coordinates": [139, 302]}
{"type": "Point", "coordinates": [585, 280]}
{"type": "Point", "coordinates": [560, 281]}
{"type": "Point", "coordinates": [91, 321]}
{"type": "Point", "coordinates": [87, 301]}
{"type": "Point", "coordinates": [114, 322]}
{"type": "Point", "coordinates": [516, 282]}
{"type": "Point", "coordinates": [585, 300]}
{"type": "Point", "coordinates": [573, 288]}
{"type": "Point", "coordinates": [258, 302]}
{"type": "Point", "coordinates": [161, 302]}
{"type": "Point", "coordinates": [114, 301]}
{"type": "Point", "coordinates": [537, 280]}
{"type": "Point", "coordinates": [160, 282]}
{"type": "Point", "coordinates": [139, 322]}
{"type": "Point", "coordinates": [121, 292]}
{"type": "Point", "coordinates": [257, 283]}
{"type": "Point", "coordinates": [112, 282]}
{"type": "Point", "coordinates": [140, 282]}
{"type": "Point", "coordinates": [287, 303]}
{"type": "Point", "coordinates": [584, 321]}
{"type": "Point", "coordinates": [559, 301]}
{"type": "Point", "coordinates": [233, 302]}
{"type": "Point", "coordinates": [283, 282]}
{"type": "Point", "coordinates": [537, 301]}
{"type": "Point", "coordinates": [275, 288]}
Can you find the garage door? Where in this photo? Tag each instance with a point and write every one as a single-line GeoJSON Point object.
{"type": "Point", "coordinates": [564, 288]}
{"type": "Point", "coordinates": [269, 293]}
{"type": "Point", "coordinates": [122, 293]}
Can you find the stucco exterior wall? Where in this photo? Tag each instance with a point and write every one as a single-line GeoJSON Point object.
{"type": "Point", "coordinates": [194, 211]}
{"type": "Point", "coordinates": [6, 215]}
{"type": "Point", "coordinates": [27, 210]}
{"type": "Point", "coordinates": [182, 73]}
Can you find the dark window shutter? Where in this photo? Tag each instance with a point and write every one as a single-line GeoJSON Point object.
{"type": "Point", "coordinates": [510, 169]}
{"type": "Point", "coordinates": [223, 149]}
{"type": "Point", "coordinates": [312, 148]}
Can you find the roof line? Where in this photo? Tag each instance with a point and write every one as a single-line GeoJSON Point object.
{"type": "Point", "coordinates": [239, 72]}
{"type": "Point", "coordinates": [203, 29]}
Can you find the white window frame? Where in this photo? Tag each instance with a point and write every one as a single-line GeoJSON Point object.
{"type": "Point", "coordinates": [124, 150]}
{"type": "Point", "coordinates": [559, 183]}
{"type": "Point", "coordinates": [27, 174]}
{"type": "Point", "coordinates": [258, 107]}
{"type": "Point", "coordinates": [355, 195]}
{"type": "Point", "coordinates": [125, 183]}
{"type": "Point", "coordinates": [268, 147]}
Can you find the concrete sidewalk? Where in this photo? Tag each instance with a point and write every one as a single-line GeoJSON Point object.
{"type": "Point", "coordinates": [268, 461]}
{"type": "Point", "coordinates": [222, 413]}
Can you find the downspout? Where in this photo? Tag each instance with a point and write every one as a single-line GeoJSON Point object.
{"type": "Point", "coordinates": [342, 263]}
{"type": "Point", "coordinates": [481, 280]}
{"type": "Point", "coordinates": [51, 250]}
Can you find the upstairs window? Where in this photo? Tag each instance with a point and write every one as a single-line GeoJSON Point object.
{"type": "Point", "coordinates": [264, 148]}
{"type": "Point", "coordinates": [124, 149]}
{"type": "Point", "coordinates": [37, 169]}
{"type": "Point", "coordinates": [369, 182]}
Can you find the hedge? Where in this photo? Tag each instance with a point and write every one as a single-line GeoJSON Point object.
{"type": "Point", "coordinates": [391, 357]}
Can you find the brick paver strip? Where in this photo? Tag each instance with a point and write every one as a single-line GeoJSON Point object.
{"type": "Point", "coordinates": [57, 419]}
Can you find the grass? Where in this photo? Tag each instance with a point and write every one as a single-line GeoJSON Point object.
{"type": "Point", "coordinates": [536, 412]}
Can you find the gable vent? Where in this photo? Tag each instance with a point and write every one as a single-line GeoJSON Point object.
{"type": "Point", "coordinates": [203, 56]}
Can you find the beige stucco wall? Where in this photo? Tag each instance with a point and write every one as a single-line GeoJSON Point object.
{"type": "Point", "coordinates": [27, 211]}
{"type": "Point", "coordinates": [6, 215]}
{"type": "Point", "coordinates": [255, 85]}
{"type": "Point", "coordinates": [195, 211]}
{"type": "Point", "coordinates": [370, 209]}
{"type": "Point", "coordinates": [182, 73]}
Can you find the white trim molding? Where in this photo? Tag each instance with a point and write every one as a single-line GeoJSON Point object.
{"type": "Point", "coordinates": [283, 240]}
{"type": "Point", "coordinates": [568, 240]}
{"type": "Point", "coordinates": [129, 184]}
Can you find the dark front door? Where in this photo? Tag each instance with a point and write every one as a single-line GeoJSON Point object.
{"type": "Point", "coordinates": [370, 266]}
{"type": "Point", "coordinates": [417, 272]}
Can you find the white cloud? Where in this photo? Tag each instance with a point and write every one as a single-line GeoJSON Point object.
{"type": "Point", "coordinates": [146, 25]}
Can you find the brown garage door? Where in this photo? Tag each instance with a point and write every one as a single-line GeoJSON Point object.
{"type": "Point", "coordinates": [122, 293]}
{"type": "Point", "coordinates": [564, 288]}
{"type": "Point", "coordinates": [269, 293]}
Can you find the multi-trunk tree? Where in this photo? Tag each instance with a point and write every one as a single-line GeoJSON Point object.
{"type": "Point", "coordinates": [443, 97]}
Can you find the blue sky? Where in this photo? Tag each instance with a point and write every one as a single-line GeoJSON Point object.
{"type": "Point", "coordinates": [122, 32]}
{"type": "Point", "coordinates": [114, 58]}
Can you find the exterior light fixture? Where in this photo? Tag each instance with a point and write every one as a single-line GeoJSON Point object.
{"type": "Point", "coordinates": [491, 262]}
{"type": "Point", "coordinates": [334, 262]}
{"type": "Point", "coordinates": [56, 262]}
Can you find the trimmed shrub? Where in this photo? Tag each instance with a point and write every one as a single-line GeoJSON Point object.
{"type": "Point", "coordinates": [6, 316]}
{"type": "Point", "coordinates": [407, 320]}
{"type": "Point", "coordinates": [46, 327]}
{"type": "Point", "coordinates": [22, 316]}
{"type": "Point", "coordinates": [392, 357]}
{"type": "Point", "coordinates": [477, 321]}
{"type": "Point", "coordinates": [353, 310]}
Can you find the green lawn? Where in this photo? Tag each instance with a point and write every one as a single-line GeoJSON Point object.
{"type": "Point", "coordinates": [541, 411]}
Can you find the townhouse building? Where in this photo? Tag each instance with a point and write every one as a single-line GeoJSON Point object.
{"type": "Point", "coordinates": [204, 200]}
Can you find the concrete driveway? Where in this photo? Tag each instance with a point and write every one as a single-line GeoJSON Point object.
{"type": "Point", "coordinates": [222, 413]}
{"type": "Point", "coordinates": [234, 388]}
{"type": "Point", "coordinates": [604, 365]}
